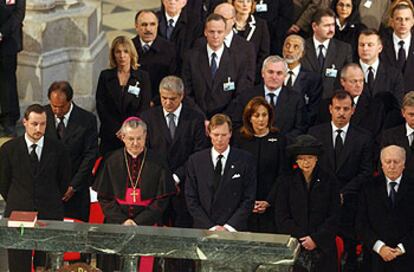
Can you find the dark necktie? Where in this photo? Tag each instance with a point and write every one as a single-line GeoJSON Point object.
{"type": "Point", "coordinates": [272, 99]}
{"type": "Point", "coordinates": [213, 65]}
{"type": "Point", "coordinates": [171, 124]}
{"type": "Point", "coordinates": [145, 48]}
{"type": "Point", "coordinates": [321, 58]}
{"type": "Point", "coordinates": [370, 80]}
{"type": "Point", "coordinates": [339, 145]}
{"type": "Point", "coordinates": [217, 173]}
{"type": "Point", "coordinates": [290, 80]}
{"type": "Point", "coordinates": [34, 159]}
{"type": "Point", "coordinates": [61, 127]}
{"type": "Point", "coordinates": [401, 56]}
{"type": "Point", "coordinates": [170, 28]}
{"type": "Point", "coordinates": [393, 193]}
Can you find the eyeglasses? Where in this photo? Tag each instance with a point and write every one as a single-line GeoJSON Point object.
{"type": "Point", "coordinates": [342, 5]}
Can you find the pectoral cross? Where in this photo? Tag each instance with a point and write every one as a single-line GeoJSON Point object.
{"type": "Point", "coordinates": [134, 194]}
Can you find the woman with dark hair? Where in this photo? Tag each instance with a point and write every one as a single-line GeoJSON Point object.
{"type": "Point", "coordinates": [267, 145]}
{"type": "Point", "coordinates": [122, 91]}
{"type": "Point", "coordinates": [307, 206]}
{"type": "Point", "coordinates": [253, 29]}
{"type": "Point", "coordinates": [348, 24]}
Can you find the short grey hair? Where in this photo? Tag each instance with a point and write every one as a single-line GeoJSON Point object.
{"type": "Point", "coordinates": [397, 148]}
{"type": "Point", "coordinates": [300, 38]}
{"type": "Point", "coordinates": [172, 84]}
{"type": "Point", "coordinates": [275, 59]}
{"type": "Point", "coordinates": [348, 66]}
{"type": "Point", "coordinates": [132, 122]}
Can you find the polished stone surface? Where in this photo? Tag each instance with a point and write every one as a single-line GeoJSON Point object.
{"type": "Point", "coordinates": [218, 251]}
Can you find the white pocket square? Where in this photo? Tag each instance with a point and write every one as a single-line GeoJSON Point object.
{"type": "Point", "coordinates": [235, 176]}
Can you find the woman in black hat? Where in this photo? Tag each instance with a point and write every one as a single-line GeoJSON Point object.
{"type": "Point", "coordinates": [307, 206]}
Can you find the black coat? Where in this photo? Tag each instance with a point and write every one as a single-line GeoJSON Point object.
{"type": "Point", "coordinates": [338, 55]}
{"type": "Point", "coordinates": [24, 190]}
{"type": "Point", "coordinates": [234, 199]}
{"type": "Point", "coordinates": [257, 33]}
{"type": "Point", "coordinates": [114, 104]}
{"type": "Point", "coordinates": [159, 62]}
{"type": "Point", "coordinates": [355, 163]}
{"type": "Point", "coordinates": [81, 140]}
{"type": "Point", "coordinates": [11, 23]}
{"type": "Point", "coordinates": [388, 55]}
{"type": "Point", "coordinates": [301, 212]}
{"type": "Point", "coordinates": [206, 92]}
{"type": "Point", "coordinates": [289, 110]}
{"type": "Point", "coordinates": [270, 160]}
{"type": "Point", "coordinates": [350, 34]}
{"type": "Point", "coordinates": [377, 220]}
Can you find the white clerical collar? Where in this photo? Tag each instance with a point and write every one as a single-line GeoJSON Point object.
{"type": "Point", "coordinates": [65, 117]}
{"type": "Point", "coordinates": [148, 43]}
{"type": "Point", "coordinates": [228, 39]}
{"type": "Point", "coordinates": [176, 113]}
{"type": "Point", "coordinates": [175, 18]}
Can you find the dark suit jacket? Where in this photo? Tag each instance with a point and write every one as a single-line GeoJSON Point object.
{"type": "Point", "coordinates": [300, 212]}
{"type": "Point", "coordinates": [389, 79]}
{"type": "Point", "coordinates": [234, 199]}
{"type": "Point", "coordinates": [208, 93]}
{"type": "Point", "coordinates": [25, 190]}
{"type": "Point", "coordinates": [289, 110]}
{"type": "Point", "coordinates": [159, 62]}
{"type": "Point", "coordinates": [11, 23]}
{"type": "Point", "coordinates": [114, 104]}
{"type": "Point", "coordinates": [397, 136]}
{"type": "Point", "coordinates": [189, 137]}
{"type": "Point", "coordinates": [187, 29]}
{"type": "Point", "coordinates": [258, 34]}
{"type": "Point", "coordinates": [309, 85]}
{"type": "Point", "coordinates": [338, 54]}
{"type": "Point", "coordinates": [388, 55]}
{"type": "Point", "coordinates": [355, 163]}
{"type": "Point", "coordinates": [377, 220]}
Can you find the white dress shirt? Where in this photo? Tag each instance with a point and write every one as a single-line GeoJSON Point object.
{"type": "Point", "coordinates": [317, 43]}
{"type": "Point", "coordinates": [407, 43]}
{"type": "Point", "coordinates": [343, 134]}
{"type": "Point", "coordinates": [39, 147]}
{"type": "Point", "coordinates": [65, 117]}
{"type": "Point", "coordinates": [219, 53]}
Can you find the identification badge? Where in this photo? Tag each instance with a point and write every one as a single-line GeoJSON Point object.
{"type": "Point", "coordinates": [229, 85]}
{"type": "Point", "coordinates": [261, 7]}
{"type": "Point", "coordinates": [331, 72]}
{"type": "Point", "coordinates": [10, 2]}
{"type": "Point", "coordinates": [368, 4]}
{"type": "Point", "coordinates": [134, 90]}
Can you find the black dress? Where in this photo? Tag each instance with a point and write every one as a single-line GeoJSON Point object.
{"type": "Point", "coordinates": [269, 152]}
{"type": "Point", "coordinates": [301, 211]}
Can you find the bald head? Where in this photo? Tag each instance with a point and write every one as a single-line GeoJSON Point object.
{"type": "Point", "coordinates": [229, 13]}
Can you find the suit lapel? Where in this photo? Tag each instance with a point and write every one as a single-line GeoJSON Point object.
{"type": "Point", "coordinates": [281, 106]}
{"type": "Point", "coordinates": [383, 193]}
{"type": "Point", "coordinates": [182, 125]}
{"type": "Point", "coordinates": [311, 53]}
{"type": "Point", "coordinates": [223, 69]}
{"type": "Point", "coordinates": [330, 54]}
{"type": "Point", "coordinates": [46, 155]}
{"type": "Point", "coordinates": [347, 147]}
{"type": "Point", "coordinates": [205, 67]}
{"type": "Point", "coordinates": [330, 146]}
{"type": "Point", "coordinates": [402, 189]}
{"type": "Point", "coordinates": [163, 125]}
{"type": "Point", "coordinates": [25, 158]}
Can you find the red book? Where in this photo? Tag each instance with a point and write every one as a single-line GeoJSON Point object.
{"type": "Point", "coordinates": [21, 218]}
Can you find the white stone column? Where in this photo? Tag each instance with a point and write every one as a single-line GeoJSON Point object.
{"type": "Point", "coordinates": [62, 40]}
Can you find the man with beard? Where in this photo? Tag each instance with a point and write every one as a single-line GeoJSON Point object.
{"type": "Point", "coordinates": [34, 176]}
{"type": "Point", "coordinates": [304, 82]}
{"type": "Point", "coordinates": [347, 154]}
{"type": "Point", "coordinates": [324, 54]}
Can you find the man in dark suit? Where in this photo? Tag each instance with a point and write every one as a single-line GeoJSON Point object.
{"type": "Point", "coordinates": [348, 154]}
{"type": "Point", "coordinates": [379, 76]}
{"type": "Point", "coordinates": [11, 22]}
{"type": "Point", "coordinates": [76, 128]}
{"type": "Point", "coordinates": [399, 45]}
{"type": "Point", "coordinates": [221, 182]}
{"type": "Point", "coordinates": [288, 105]}
{"type": "Point", "coordinates": [403, 135]}
{"type": "Point", "coordinates": [211, 74]}
{"type": "Point", "coordinates": [304, 82]}
{"type": "Point", "coordinates": [385, 218]}
{"type": "Point", "coordinates": [156, 55]}
{"type": "Point", "coordinates": [179, 25]}
{"type": "Point", "coordinates": [323, 53]}
{"type": "Point", "coordinates": [34, 176]}
{"type": "Point", "coordinates": [177, 131]}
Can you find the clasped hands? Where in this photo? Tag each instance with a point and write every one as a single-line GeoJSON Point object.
{"type": "Point", "coordinates": [307, 243]}
{"type": "Point", "coordinates": [260, 206]}
{"type": "Point", "coordinates": [388, 253]}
